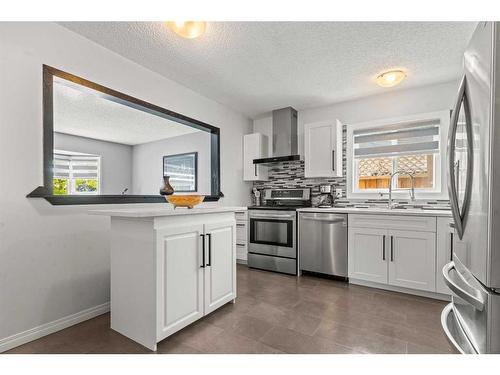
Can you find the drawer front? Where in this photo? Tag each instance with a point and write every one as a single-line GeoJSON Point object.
{"type": "Point", "coordinates": [241, 252]}
{"type": "Point", "coordinates": [264, 262]}
{"type": "Point", "coordinates": [414, 223]}
{"type": "Point", "coordinates": [241, 233]}
{"type": "Point", "coordinates": [241, 216]}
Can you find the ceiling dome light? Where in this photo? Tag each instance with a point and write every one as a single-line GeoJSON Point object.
{"type": "Point", "coordinates": [390, 78]}
{"type": "Point", "coordinates": [187, 29]}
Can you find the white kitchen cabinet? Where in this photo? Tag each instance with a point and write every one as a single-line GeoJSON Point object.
{"type": "Point", "coordinates": [190, 285]}
{"type": "Point", "coordinates": [241, 237]}
{"type": "Point", "coordinates": [412, 259]}
{"type": "Point", "coordinates": [255, 146]}
{"type": "Point", "coordinates": [381, 252]}
{"type": "Point", "coordinates": [220, 270]}
{"type": "Point", "coordinates": [181, 277]}
{"type": "Point", "coordinates": [323, 149]}
{"type": "Point", "coordinates": [366, 254]}
{"type": "Point", "coordinates": [169, 268]}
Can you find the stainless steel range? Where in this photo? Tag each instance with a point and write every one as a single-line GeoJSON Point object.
{"type": "Point", "coordinates": [273, 230]}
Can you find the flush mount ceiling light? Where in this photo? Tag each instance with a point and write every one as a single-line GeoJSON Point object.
{"type": "Point", "coordinates": [390, 78]}
{"type": "Point", "coordinates": [187, 29]}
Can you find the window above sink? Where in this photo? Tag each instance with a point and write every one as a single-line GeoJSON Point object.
{"type": "Point", "coordinates": [414, 144]}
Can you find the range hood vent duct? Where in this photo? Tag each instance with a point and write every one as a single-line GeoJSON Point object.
{"type": "Point", "coordinates": [285, 147]}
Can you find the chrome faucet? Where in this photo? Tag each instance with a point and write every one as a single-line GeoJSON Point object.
{"type": "Point", "coordinates": [411, 190]}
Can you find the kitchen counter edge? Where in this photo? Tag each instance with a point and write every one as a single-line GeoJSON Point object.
{"type": "Point", "coordinates": [378, 211]}
{"type": "Point", "coordinates": [145, 212]}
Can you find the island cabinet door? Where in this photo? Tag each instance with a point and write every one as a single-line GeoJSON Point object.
{"type": "Point", "coordinates": [180, 277]}
{"type": "Point", "coordinates": [412, 259]}
{"type": "Point", "coordinates": [220, 270]}
{"type": "Point", "coordinates": [367, 255]}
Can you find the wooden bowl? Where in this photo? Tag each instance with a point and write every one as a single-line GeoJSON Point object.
{"type": "Point", "coordinates": [188, 201]}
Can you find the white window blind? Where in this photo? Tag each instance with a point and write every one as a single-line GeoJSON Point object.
{"type": "Point", "coordinates": [76, 166]}
{"type": "Point", "coordinates": [398, 139]}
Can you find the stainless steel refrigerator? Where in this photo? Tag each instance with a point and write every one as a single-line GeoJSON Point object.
{"type": "Point", "coordinates": [472, 320]}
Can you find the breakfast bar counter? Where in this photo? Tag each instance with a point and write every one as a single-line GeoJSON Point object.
{"type": "Point", "coordinates": [169, 268]}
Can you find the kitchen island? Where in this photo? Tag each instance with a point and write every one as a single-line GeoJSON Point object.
{"type": "Point", "coordinates": [169, 268]}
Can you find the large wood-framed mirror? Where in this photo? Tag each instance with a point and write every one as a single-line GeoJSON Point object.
{"type": "Point", "coordinates": [104, 146]}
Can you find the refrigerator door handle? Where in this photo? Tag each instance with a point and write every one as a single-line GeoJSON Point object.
{"type": "Point", "coordinates": [460, 213]}
{"type": "Point", "coordinates": [461, 288]}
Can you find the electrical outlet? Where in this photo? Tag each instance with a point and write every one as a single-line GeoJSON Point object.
{"type": "Point", "coordinates": [338, 193]}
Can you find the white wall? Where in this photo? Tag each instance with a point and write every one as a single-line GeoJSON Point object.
{"type": "Point", "coordinates": [55, 260]}
{"type": "Point", "coordinates": [147, 164]}
{"type": "Point", "coordinates": [116, 160]}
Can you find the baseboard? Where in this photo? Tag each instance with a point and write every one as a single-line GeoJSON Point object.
{"type": "Point", "coordinates": [421, 293]}
{"type": "Point", "coordinates": [241, 261]}
{"type": "Point", "coordinates": [51, 327]}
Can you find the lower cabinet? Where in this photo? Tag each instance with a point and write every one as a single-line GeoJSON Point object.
{"type": "Point", "coordinates": [220, 272]}
{"type": "Point", "coordinates": [181, 278]}
{"type": "Point", "coordinates": [412, 259]}
{"type": "Point", "coordinates": [168, 271]}
{"type": "Point", "coordinates": [401, 258]}
{"type": "Point", "coordinates": [241, 236]}
{"type": "Point", "coordinates": [196, 273]}
{"type": "Point", "coordinates": [366, 254]}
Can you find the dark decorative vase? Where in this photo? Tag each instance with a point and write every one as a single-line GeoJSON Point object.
{"type": "Point", "coordinates": [166, 189]}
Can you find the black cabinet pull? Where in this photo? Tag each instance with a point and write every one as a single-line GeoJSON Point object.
{"type": "Point", "coordinates": [209, 235]}
{"type": "Point", "coordinates": [203, 250]}
{"type": "Point", "coordinates": [383, 247]}
{"type": "Point", "coordinates": [451, 246]}
{"type": "Point", "coordinates": [392, 249]}
{"type": "Point", "coordinates": [255, 167]}
{"type": "Point", "coordinates": [333, 160]}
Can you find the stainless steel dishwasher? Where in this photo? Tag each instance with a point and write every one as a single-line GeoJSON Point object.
{"type": "Point", "coordinates": [323, 243]}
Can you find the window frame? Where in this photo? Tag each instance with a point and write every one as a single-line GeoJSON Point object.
{"type": "Point", "coordinates": [438, 192]}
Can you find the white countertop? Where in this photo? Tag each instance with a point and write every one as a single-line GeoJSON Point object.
{"type": "Point", "coordinates": [379, 210]}
{"type": "Point", "coordinates": [156, 212]}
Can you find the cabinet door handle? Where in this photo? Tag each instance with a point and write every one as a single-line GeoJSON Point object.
{"type": "Point", "coordinates": [392, 249]}
{"type": "Point", "coordinates": [333, 160]}
{"type": "Point", "coordinates": [383, 247]}
{"type": "Point", "coordinates": [451, 246]}
{"type": "Point", "coordinates": [255, 168]}
{"type": "Point", "coordinates": [202, 250]}
{"type": "Point", "coordinates": [209, 235]}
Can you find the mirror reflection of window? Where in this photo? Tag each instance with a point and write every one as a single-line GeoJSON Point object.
{"type": "Point", "coordinates": [76, 173]}
{"type": "Point", "coordinates": [130, 144]}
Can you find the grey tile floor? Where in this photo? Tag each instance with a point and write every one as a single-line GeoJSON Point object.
{"type": "Point", "coordinates": [276, 313]}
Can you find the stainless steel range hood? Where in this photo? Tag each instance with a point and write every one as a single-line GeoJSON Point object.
{"type": "Point", "coordinates": [285, 146]}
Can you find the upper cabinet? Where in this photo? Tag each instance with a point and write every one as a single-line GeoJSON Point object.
{"type": "Point", "coordinates": [255, 146]}
{"type": "Point", "coordinates": [323, 149]}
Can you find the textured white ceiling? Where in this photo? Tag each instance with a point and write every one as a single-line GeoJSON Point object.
{"type": "Point", "coordinates": [254, 67]}
{"type": "Point", "coordinates": [81, 112]}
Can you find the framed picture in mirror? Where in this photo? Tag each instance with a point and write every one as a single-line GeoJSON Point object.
{"type": "Point", "coordinates": [183, 171]}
